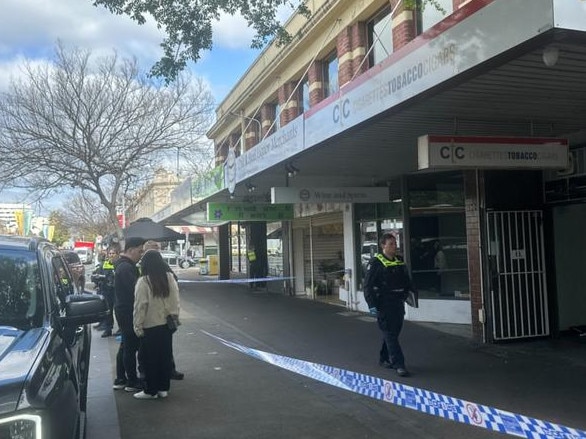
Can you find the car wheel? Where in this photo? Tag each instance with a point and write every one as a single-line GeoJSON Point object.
{"type": "Point", "coordinates": [184, 264]}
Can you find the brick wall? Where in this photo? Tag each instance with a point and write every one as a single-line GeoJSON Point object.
{"type": "Point", "coordinates": [267, 116]}
{"type": "Point", "coordinates": [250, 137]}
{"type": "Point", "coordinates": [472, 187]}
{"type": "Point", "coordinates": [315, 77]}
{"type": "Point", "coordinates": [403, 25]}
{"type": "Point", "coordinates": [351, 48]}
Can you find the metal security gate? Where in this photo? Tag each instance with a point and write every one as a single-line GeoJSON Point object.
{"type": "Point", "coordinates": [518, 292]}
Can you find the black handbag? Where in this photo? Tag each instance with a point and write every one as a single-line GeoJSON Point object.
{"type": "Point", "coordinates": [173, 322]}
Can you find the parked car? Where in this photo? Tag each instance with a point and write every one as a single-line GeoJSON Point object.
{"type": "Point", "coordinates": [170, 257]}
{"type": "Point", "coordinates": [187, 261]}
{"type": "Point", "coordinates": [44, 342]}
{"type": "Point", "coordinates": [85, 254]}
{"type": "Point", "coordinates": [76, 267]}
{"type": "Point", "coordinates": [369, 249]}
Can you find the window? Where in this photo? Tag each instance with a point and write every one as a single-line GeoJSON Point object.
{"type": "Point", "coordinates": [430, 15]}
{"type": "Point", "coordinates": [438, 244]}
{"type": "Point", "coordinates": [304, 96]}
{"type": "Point", "coordinates": [373, 220]}
{"type": "Point", "coordinates": [331, 75]}
{"type": "Point", "coordinates": [277, 124]}
{"type": "Point", "coordinates": [21, 297]}
{"type": "Point", "coordinates": [380, 37]}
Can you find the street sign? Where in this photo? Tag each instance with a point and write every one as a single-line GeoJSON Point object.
{"type": "Point", "coordinates": [249, 212]}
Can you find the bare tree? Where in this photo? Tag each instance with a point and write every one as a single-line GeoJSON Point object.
{"type": "Point", "coordinates": [87, 216]}
{"type": "Point", "coordinates": [100, 127]}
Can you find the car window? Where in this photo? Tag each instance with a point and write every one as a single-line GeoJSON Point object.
{"type": "Point", "coordinates": [62, 279]}
{"type": "Point", "coordinates": [21, 296]}
{"type": "Point", "coordinates": [71, 258]}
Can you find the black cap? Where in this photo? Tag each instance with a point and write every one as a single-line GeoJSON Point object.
{"type": "Point", "coordinates": [133, 243]}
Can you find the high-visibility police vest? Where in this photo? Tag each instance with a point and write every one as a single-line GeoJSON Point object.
{"type": "Point", "coordinates": [251, 256]}
{"type": "Point", "coordinates": [107, 265]}
{"type": "Point", "coordinates": [396, 278]}
{"type": "Point", "coordinates": [387, 262]}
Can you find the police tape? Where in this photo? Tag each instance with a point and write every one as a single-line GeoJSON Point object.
{"type": "Point", "coordinates": [414, 398]}
{"type": "Point", "coordinates": [235, 281]}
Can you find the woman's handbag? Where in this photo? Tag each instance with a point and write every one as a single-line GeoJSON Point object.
{"type": "Point", "coordinates": [173, 322]}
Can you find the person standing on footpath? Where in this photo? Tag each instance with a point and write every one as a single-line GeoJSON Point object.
{"type": "Point", "coordinates": [125, 278]}
{"type": "Point", "coordinates": [253, 265]}
{"type": "Point", "coordinates": [154, 245]}
{"type": "Point", "coordinates": [386, 287]}
{"type": "Point", "coordinates": [157, 296]}
{"type": "Point", "coordinates": [103, 277]}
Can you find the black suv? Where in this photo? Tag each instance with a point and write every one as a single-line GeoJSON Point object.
{"type": "Point", "coordinates": [44, 342]}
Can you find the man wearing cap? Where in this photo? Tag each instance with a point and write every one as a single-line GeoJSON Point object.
{"type": "Point", "coordinates": [125, 277]}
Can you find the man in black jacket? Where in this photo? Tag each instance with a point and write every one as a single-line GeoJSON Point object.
{"type": "Point", "coordinates": [386, 287]}
{"type": "Point", "coordinates": [125, 277]}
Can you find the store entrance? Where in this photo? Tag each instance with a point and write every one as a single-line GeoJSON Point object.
{"type": "Point", "coordinates": [516, 266]}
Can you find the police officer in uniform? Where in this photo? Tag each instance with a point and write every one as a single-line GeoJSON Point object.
{"type": "Point", "coordinates": [386, 287]}
{"type": "Point", "coordinates": [103, 277]}
{"type": "Point", "coordinates": [253, 265]}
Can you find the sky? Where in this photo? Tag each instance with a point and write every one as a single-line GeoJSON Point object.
{"type": "Point", "coordinates": [29, 30]}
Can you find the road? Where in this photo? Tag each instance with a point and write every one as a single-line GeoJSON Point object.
{"type": "Point", "coordinates": [228, 394]}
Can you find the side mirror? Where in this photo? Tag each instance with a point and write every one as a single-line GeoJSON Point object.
{"type": "Point", "coordinates": [82, 309]}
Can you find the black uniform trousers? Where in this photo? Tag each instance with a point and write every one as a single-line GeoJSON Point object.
{"type": "Point", "coordinates": [390, 319]}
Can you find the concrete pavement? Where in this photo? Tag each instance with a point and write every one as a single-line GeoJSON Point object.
{"type": "Point", "coordinates": [227, 394]}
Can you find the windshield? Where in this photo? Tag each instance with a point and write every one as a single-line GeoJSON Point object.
{"type": "Point", "coordinates": [21, 299]}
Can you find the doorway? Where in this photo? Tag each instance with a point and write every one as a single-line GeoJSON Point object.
{"type": "Point", "coordinates": [517, 286]}
{"type": "Point", "coordinates": [570, 254]}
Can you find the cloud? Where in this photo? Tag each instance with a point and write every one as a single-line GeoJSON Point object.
{"type": "Point", "coordinates": [30, 28]}
{"type": "Point", "coordinates": [232, 32]}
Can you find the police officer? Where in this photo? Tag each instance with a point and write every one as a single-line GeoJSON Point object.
{"type": "Point", "coordinates": [253, 265]}
{"type": "Point", "coordinates": [103, 277]}
{"type": "Point", "coordinates": [386, 287]}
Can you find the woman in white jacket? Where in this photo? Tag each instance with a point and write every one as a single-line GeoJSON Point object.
{"type": "Point", "coordinates": [156, 295]}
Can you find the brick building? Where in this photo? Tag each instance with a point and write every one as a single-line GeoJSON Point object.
{"type": "Point", "coordinates": [462, 132]}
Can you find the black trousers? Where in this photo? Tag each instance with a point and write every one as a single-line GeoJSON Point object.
{"type": "Point", "coordinates": [108, 294]}
{"type": "Point", "coordinates": [157, 355]}
{"type": "Point", "coordinates": [390, 322]}
{"type": "Point", "coordinates": [127, 352]}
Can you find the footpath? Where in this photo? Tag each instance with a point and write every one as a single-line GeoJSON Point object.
{"type": "Point", "coordinates": [245, 388]}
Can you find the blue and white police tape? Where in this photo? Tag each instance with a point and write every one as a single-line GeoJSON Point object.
{"type": "Point", "coordinates": [236, 281]}
{"type": "Point", "coordinates": [422, 400]}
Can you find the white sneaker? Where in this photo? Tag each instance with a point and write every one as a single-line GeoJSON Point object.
{"type": "Point", "coordinates": [163, 394]}
{"type": "Point", "coordinates": [142, 395]}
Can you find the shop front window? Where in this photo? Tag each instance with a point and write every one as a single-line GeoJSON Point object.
{"type": "Point", "coordinates": [438, 245]}
{"type": "Point", "coordinates": [374, 220]}
{"type": "Point", "coordinates": [275, 249]}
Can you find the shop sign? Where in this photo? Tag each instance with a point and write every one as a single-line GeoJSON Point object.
{"type": "Point", "coordinates": [281, 145]}
{"type": "Point", "coordinates": [208, 184]}
{"type": "Point", "coordinates": [249, 212]}
{"type": "Point", "coordinates": [454, 152]}
{"type": "Point", "coordinates": [569, 14]}
{"type": "Point", "coordinates": [281, 195]}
